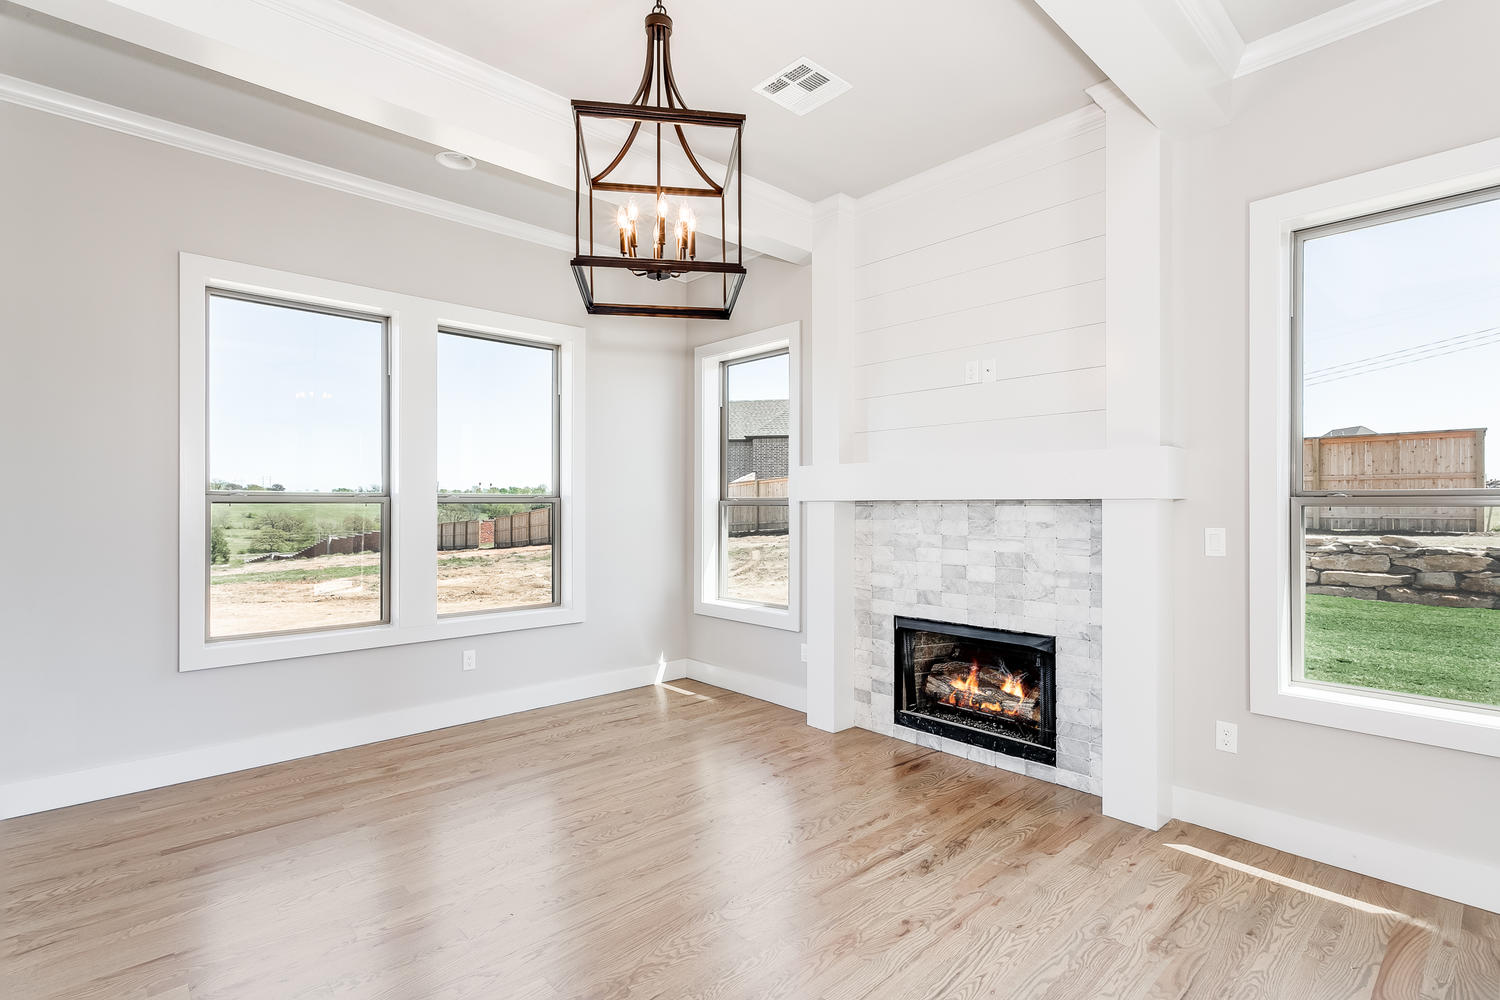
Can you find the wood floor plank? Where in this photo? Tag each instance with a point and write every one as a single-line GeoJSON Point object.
{"type": "Point", "coordinates": [684, 842]}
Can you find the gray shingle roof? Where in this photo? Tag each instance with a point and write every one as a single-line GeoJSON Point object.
{"type": "Point", "coordinates": [758, 418]}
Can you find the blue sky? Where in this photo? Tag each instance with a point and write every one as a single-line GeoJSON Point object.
{"type": "Point", "coordinates": [767, 378]}
{"type": "Point", "coordinates": [1401, 326]}
{"type": "Point", "coordinates": [295, 399]}
{"type": "Point", "coordinates": [494, 414]}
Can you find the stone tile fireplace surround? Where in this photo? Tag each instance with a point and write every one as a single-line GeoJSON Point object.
{"type": "Point", "coordinates": [1027, 566]}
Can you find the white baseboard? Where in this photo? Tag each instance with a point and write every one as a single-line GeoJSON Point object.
{"type": "Point", "coordinates": [741, 682]}
{"type": "Point", "coordinates": [1472, 882]}
{"type": "Point", "coordinates": [55, 791]}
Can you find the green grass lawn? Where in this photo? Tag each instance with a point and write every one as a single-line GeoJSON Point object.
{"type": "Point", "coordinates": [1409, 648]}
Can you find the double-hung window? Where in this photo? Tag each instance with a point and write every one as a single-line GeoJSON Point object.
{"type": "Point", "coordinates": [297, 502]}
{"type": "Point", "coordinates": [366, 468]}
{"type": "Point", "coordinates": [497, 474]}
{"type": "Point", "coordinates": [746, 559]}
{"type": "Point", "coordinates": [1387, 480]}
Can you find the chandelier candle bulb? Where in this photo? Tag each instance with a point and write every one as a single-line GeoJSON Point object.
{"type": "Point", "coordinates": [623, 222]}
{"type": "Point", "coordinates": [692, 237]}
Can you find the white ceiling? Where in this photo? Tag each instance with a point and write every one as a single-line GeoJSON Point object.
{"type": "Point", "coordinates": [932, 80]}
{"type": "Point", "coordinates": [1258, 18]}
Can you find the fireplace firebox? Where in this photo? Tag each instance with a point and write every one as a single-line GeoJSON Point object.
{"type": "Point", "coordinates": [986, 687]}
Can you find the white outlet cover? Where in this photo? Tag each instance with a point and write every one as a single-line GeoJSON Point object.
{"type": "Point", "coordinates": [1226, 737]}
{"type": "Point", "coordinates": [971, 372]}
{"type": "Point", "coordinates": [470, 659]}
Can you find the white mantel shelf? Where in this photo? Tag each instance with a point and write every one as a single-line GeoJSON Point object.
{"type": "Point", "coordinates": [1145, 473]}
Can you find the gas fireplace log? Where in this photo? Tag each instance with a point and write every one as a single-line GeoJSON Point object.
{"type": "Point", "coordinates": [950, 683]}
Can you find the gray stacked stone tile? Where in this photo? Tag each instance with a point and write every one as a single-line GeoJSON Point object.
{"type": "Point", "coordinates": [1028, 566]}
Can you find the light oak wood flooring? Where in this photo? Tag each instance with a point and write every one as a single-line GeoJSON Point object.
{"type": "Point", "coordinates": [684, 842]}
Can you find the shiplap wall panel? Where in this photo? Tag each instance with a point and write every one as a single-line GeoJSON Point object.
{"type": "Point", "coordinates": [1052, 311]}
{"type": "Point", "coordinates": [1064, 350]}
{"type": "Point", "coordinates": [972, 442]}
{"type": "Point", "coordinates": [1031, 395]}
{"type": "Point", "coordinates": [1015, 274]}
{"type": "Point", "coordinates": [1054, 226]}
{"type": "Point", "coordinates": [951, 213]}
{"type": "Point", "coordinates": [1059, 267]}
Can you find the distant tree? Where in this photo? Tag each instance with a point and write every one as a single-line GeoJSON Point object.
{"type": "Point", "coordinates": [254, 486]}
{"type": "Point", "coordinates": [278, 488]}
{"type": "Point", "coordinates": [358, 524]}
{"type": "Point", "coordinates": [223, 484]}
{"type": "Point", "coordinates": [218, 545]}
{"type": "Point", "coordinates": [281, 531]}
{"type": "Point", "coordinates": [1492, 483]}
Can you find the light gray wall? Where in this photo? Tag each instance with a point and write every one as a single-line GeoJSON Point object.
{"type": "Point", "coordinates": [1415, 86]}
{"type": "Point", "coordinates": [92, 226]}
{"type": "Point", "coordinates": [775, 293]}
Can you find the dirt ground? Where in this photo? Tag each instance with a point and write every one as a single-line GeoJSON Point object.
{"type": "Point", "coordinates": [472, 580]}
{"type": "Point", "coordinates": [759, 568]}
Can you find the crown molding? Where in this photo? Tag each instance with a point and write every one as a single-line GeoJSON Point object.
{"type": "Point", "coordinates": [972, 167]}
{"type": "Point", "coordinates": [339, 57]}
{"type": "Point", "coordinates": [1325, 29]}
{"type": "Point", "coordinates": [1214, 28]}
{"type": "Point", "coordinates": [24, 93]}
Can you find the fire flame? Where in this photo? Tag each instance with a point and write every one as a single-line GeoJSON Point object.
{"type": "Point", "coordinates": [966, 689]}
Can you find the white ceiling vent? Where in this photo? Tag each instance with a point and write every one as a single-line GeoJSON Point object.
{"type": "Point", "coordinates": [802, 86]}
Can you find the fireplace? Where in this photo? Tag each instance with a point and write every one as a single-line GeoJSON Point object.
{"type": "Point", "coordinates": [986, 687]}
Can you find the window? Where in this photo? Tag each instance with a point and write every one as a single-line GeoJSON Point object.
{"type": "Point", "coordinates": [747, 443]}
{"type": "Point", "coordinates": [1397, 330]}
{"type": "Point", "coordinates": [755, 558]}
{"type": "Point", "coordinates": [362, 468]}
{"type": "Point", "coordinates": [497, 474]}
{"type": "Point", "coordinates": [297, 498]}
{"type": "Point", "coordinates": [1374, 549]}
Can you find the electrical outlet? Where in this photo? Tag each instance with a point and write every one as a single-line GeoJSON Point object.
{"type": "Point", "coordinates": [987, 370]}
{"type": "Point", "coordinates": [804, 652]}
{"type": "Point", "coordinates": [1227, 737]}
{"type": "Point", "coordinates": [971, 372]}
{"type": "Point", "coordinates": [470, 659]}
{"type": "Point", "coordinates": [1215, 542]}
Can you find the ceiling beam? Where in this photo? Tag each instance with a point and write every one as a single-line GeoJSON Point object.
{"type": "Point", "coordinates": [337, 57]}
{"type": "Point", "coordinates": [1170, 57]}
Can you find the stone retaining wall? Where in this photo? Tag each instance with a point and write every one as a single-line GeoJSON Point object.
{"type": "Point", "coordinates": [1403, 569]}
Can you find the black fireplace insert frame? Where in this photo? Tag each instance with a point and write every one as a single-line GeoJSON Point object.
{"type": "Point", "coordinates": [1045, 648]}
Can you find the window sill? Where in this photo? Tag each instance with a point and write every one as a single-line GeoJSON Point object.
{"type": "Point", "coordinates": [1455, 727]}
{"type": "Point", "coordinates": [267, 649]}
{"type": "Point", "coordinates": [750, 614]}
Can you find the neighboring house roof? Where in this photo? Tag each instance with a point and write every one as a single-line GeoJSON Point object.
{"type": "Point", "coordinates": [758, 418]}
{"type": "Point", "coordinates": [1344, 432]}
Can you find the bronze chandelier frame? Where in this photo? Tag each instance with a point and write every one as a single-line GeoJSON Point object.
{"type": "Point", "coordinates": [658, 84]}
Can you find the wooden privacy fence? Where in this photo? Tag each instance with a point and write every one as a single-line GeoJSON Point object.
{"type": "Point", "coordinates": [1414, 460]}
{"type": "Point", "coordinates": [758, 520]}
{"type": "Point", "coordinates": [530, 527]}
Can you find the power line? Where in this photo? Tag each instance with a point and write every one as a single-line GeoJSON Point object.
{"type": "Point", "coordinates": [1424, 346]}
{"type": "Point", "coordinates": [1402, 362]}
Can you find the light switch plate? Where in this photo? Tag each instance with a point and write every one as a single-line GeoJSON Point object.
{"type": "Point", "coordinates": [971, 372]}
{"type": "Point", "coordinates": [1215, 542]}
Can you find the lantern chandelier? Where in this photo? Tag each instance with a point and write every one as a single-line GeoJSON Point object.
{"type": "Point", "coordinates": [660, 240]}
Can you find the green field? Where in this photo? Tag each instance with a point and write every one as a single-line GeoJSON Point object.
{"type": "Point", "coordinates": [1408, 648]}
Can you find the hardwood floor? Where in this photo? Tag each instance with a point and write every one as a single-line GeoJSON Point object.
{"type": "Point", "coordinates": [684, 842]}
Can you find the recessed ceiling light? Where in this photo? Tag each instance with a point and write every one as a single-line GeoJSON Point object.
{"type": "Point", "coordinates": [455, 161]}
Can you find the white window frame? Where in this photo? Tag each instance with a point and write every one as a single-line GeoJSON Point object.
{"type": "Point", "coordinates": [1274, 576]}
{"type": "Point", "coordinates": [707, 471]}
{"type": "Point", "coordinates": [414, 323]}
